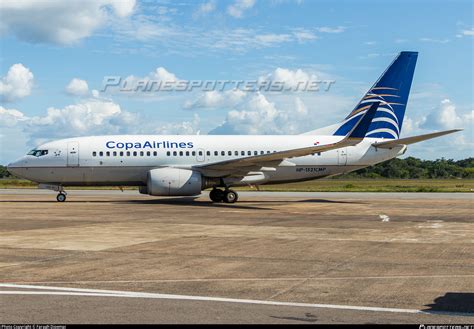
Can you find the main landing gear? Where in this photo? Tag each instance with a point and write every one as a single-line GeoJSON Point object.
{"type": "Point", "coordinates": [228, 196]}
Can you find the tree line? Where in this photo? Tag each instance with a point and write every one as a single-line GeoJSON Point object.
{"type": "Point", "coordinates": [396, 168]}
{"type": "Point", "coordinates": [416, 168]}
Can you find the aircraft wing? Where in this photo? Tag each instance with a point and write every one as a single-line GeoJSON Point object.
{"type": "Point", "coordinates": [413, 139]}
{"type": "Point", "coordinates": [353, 137]}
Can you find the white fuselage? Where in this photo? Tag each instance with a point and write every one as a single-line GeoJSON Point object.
{"type": "Point", "coordinates": [126, 159]}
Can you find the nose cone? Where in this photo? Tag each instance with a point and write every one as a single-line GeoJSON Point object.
{"type": "Point", "coordinates": [16, 167]}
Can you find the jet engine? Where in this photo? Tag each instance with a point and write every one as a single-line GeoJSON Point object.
{"type": "Point", "coordinates": [172, 181]}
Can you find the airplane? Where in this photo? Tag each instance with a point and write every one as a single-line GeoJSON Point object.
{"type": "Point", "coordinates": [185, 165]}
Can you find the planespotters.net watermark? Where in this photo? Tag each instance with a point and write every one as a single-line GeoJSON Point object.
{"type": "Point", "coordinates": [113, 83]}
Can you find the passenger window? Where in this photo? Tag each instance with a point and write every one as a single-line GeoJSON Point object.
{"type": "Point", "coordinates": [180, 153]}
{"type": "Point", "coordinates": [121, 153]}
{"type": "Point", "coordinates": [187, 153]}
{"type": "Point", "coordinates": [168, 153]}
{"type": "Point", "coordinates": [229, 152]}
{"type": "Point", "coordinates": [222, 153]}
{"type": "Point", "coordinates": [194, 153]}
{"type": "Point", "coordinates": [107, 153]}
{"type": "Point", "coordinates": [135, 153]}
{"type": "Point", "coordinates": [216, 153]}
{"type": "Point", "coordinates": [148, 153]}
{"type": "Point", "coordinates": [175, 153]}
{"type": "Point", "coordinates": [208, 153]}
{"type": "Point", "coordinates": [155, 153]}
{"type": "Point", "coordinates": [268, 152]}
{"type": "Point", "coordinates": [101, 153]}
{"type": "Point", "coordinates": [255, 152]}
{"type": "Point", "coordinates": [94, 154]}
{"type": "Point", "coordinates": [236, 152]}
{"type": "Point", "coordinates": [249, 152]}
{"type": "Point", "coordinates": [262, 152]}
{"type": "Point", "coordinates": [114, 153]}
{"type": "Point", "coordinates": [128, 153]}
{"type": "Point", "coordinates": [242, 153]}
{"type": "Point", "coordinates": [200, 153]}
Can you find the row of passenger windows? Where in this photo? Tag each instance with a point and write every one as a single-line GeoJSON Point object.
{"type": "Point", "coordinates": [178, 153]}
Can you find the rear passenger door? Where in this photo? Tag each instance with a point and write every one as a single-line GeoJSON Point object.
{"type": "Point", "coordinates": [73, 154]}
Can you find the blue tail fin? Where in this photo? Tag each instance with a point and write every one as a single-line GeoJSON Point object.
{"type": "Point", "coordinates": [391, 91]}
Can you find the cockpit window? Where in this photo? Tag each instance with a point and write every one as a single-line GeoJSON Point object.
{"type": "Point", "coordinates": [38, 153]}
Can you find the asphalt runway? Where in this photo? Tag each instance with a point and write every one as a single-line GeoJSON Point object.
{"type": "Point", "coordinates": [120, 257]}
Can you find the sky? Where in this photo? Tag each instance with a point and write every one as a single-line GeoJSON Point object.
{"type": "Point", "coordinates": [56, 57]}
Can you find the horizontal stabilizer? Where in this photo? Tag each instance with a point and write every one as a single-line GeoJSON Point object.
{"type": "Point", "coordinates": [413, 139]}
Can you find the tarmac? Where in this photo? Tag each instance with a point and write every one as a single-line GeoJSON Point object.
{"type": "Point", "coordinates": [121, 257]}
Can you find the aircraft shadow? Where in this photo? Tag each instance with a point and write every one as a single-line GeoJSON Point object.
{"type": "Point", "coordinates": [191, 202]}
{"type": "Point", "coordinates": [300, 201]}
{"type": "Point", "coordinates": [461, 303]}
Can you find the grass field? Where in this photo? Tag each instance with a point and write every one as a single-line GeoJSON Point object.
{"type": "Point", "coordinates": [327, 185]}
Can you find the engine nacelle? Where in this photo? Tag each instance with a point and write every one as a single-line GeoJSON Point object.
{"type": "Point", "coordinates": [173, 181]}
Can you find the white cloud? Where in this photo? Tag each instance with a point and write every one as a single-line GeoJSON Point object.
{"type": "Point", "coordinates": [214, 99]}
{"type": "Point", "coordinates": [150, 85]}
{"type": "Point", "coordinates": [257, 115]}
{"type": "Point", "coordinates": [272, 38]}
{"type": "Point", "coordinates": [300, 107]}
{"type": "Point", "coordinates": [77, 87]}
{"type": "Point", "coordinates": [432, 40]}
{"type": "Point", "coordinates": [445, 116]}
{"type": "Point", "coordinates": [327, 29]}
{"type": "Point", "coordinates": [59, 22]}
{"type": "Point", "coordinates": [163, 75]}
{"type": "Point", "coordinates": [303, 35]}
{"type": "Point", "coordinates": [238, 8]}
{"type": "Point", "coordinates": [290, 78]}
{"type": "Point", "coordinates": [17, 83]}
{"type": "Point", "coordinates": [205, 8]}
{"type": "Point", "coordinates": [159, 74]}
{"type": "Point", "coordinates": [468, 32]}
{"type": "Point", "coordinates": [89, 117]}
{"type": "Point", "coordinates": [180, 128]}
{"type": "Point", "coordinates": [10, 117]}
{"type": "Point", "coordinates": [409, 125]}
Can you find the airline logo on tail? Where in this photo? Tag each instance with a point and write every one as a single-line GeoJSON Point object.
{"type": "Point", "coordinates": [388, 121]}
{"type": "Point", "coordinates": [391, 92]}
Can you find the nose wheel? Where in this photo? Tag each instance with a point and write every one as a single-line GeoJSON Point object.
{"type": "Point", "coordinates": [228, 196]}
{"type": "Point", "coordinates": [61, 197]}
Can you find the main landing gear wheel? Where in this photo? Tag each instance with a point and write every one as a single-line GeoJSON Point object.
{"type": "Point", "coordinates": [61, 197]}
{"type": "Point", "coordinates": [230, 196]}
{"type": "Point", "coordinates": [216, 195]}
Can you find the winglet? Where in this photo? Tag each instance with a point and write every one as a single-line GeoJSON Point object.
{"type": "Point", "coordinates": [361, 128]}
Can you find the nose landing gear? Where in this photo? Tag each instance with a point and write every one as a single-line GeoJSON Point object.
{"type": "Point", "coordinates": [228, 196]}
{"type": "Point", "coordinates": [61, 197]}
